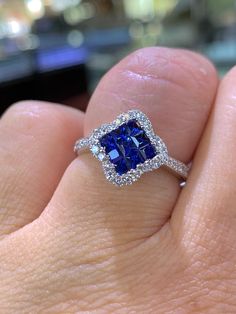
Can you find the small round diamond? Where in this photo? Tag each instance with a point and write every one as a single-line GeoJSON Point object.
{"type": "Point", "coordinates": [101, 156]}
{"type": "Point", "coordinates": [95, 149]}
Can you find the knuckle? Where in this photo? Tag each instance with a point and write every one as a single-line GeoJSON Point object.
{"type": "Point", "coordinates": [26, 116]}
{"type": "Point", "coordinates": [177, 66]}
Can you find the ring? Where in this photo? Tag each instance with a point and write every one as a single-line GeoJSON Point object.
{"type": "Point", "coordinates": [128, 147]}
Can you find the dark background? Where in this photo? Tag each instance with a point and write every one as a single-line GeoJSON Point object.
{"type": "Point", "coordinates": [57, 50]}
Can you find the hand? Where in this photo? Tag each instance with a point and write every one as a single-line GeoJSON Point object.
{"type": "Point", "coordinates": [73, 243]}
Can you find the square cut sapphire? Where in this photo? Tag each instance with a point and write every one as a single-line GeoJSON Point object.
{"type": "Point", "coordinates": [128, 146]}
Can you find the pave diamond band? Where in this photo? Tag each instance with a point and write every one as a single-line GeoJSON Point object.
{"type": "Point", "coordinates": [128, 147]}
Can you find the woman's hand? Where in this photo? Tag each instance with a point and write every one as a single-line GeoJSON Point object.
{"type": "Point", "coordinates": [73, 243]}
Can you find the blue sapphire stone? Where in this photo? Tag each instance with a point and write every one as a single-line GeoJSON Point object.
{"type": "Point", "coordinates": [128, 146]}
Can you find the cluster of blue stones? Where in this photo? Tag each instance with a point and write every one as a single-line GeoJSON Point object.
{"type": "Point", "coordinates": [128, 146]}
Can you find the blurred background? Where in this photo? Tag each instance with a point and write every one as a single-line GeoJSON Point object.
{"type": "Point", "coordinates": [57, 50]}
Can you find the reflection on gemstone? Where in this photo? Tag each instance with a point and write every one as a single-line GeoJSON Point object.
{"type": "Point", "coordinates": [128, 146]}
{"type": "Point", "coordinates": [113, 154]}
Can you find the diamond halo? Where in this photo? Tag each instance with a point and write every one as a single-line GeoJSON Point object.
{"type": "Point", "coordinates": [161, 158]}
{"type": "Point", "coordinates": [108, 167]}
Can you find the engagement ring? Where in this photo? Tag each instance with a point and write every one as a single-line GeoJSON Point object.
{"type": "Point", "coordinates": [128, 147]}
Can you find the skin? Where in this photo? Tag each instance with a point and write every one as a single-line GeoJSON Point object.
{"type": "Point", "coordinates": [70, 242]}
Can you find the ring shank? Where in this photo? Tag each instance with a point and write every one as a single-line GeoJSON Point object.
{"type": "Point", "coordinates": [177, 167]}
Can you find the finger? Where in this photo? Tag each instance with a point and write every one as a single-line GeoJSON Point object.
{"type": "Point", "coordinates": [35, 149]}
{"type": "Point", "coordinates": [175, 89]}
{"type": "Point", "coordinates": [206, 209]}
